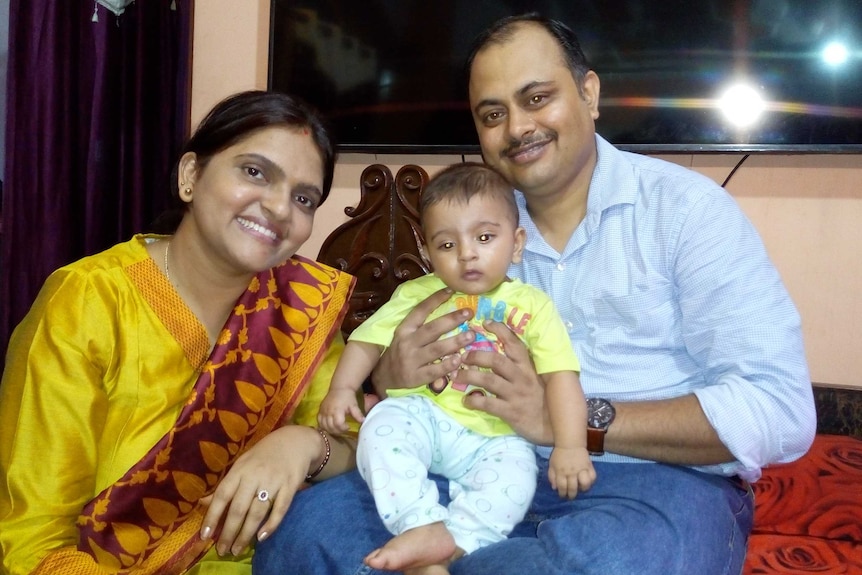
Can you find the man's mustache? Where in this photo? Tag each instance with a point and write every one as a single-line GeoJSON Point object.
{"type": "Point", "coordinates": [516, 146]}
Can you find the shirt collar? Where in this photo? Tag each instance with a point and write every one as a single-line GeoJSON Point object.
{"type": "Point", "coordinates": [613, 183]}
{"type": "Point", "coordinates": [613, 180]}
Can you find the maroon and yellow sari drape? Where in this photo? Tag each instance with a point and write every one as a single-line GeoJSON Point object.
{"type": "Point", "coordinates": [148, 520]}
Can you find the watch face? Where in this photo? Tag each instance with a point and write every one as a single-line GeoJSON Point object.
{"type": "Point", "coordinates": [600, 413]}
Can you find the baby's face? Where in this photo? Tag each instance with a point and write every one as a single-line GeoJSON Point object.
{"type": "Point", "coordinates": [472, 244]}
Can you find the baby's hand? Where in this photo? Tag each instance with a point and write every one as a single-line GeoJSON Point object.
{"type": "Point", "coordinates": [336, 406]}
{"type": "Point", "coordinates": [570, 471]}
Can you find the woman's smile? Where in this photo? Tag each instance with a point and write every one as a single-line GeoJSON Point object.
{"type": "Point", "coordinates": [257, 228]}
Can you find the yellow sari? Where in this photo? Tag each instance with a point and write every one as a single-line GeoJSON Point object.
{"type": "Point", "coordinates": [107, 384]}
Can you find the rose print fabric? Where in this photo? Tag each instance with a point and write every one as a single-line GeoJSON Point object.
{"type": "Point", "coordinates": [808, 514]}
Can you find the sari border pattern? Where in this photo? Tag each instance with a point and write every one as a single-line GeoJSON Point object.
{"type": "Point", "coordinates": [148, 520]}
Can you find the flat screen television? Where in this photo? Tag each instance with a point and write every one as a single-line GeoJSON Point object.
{"type": "Point", "coordinates": [676, 76]}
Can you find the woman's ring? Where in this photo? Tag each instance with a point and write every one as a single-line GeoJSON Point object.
{"type": "Point", "coordinates": [263, 495]}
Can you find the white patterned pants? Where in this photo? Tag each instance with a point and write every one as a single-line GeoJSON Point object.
{"type": "Point", "coordinates": [491, 479]}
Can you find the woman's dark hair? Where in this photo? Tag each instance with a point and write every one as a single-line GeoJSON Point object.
{"type": "Point", "coordinates": [504, 29]}
{"type": "Point", "coordinates": [237, 117]}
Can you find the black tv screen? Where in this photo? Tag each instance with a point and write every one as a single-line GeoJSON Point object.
{"type": "Point", "coordinates": [389, 73]}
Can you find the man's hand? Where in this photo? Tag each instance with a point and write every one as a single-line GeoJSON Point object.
{"type": "Point", "coordinates": [518, 394]}
{"type": "Point", "coordinates": [416, 345]}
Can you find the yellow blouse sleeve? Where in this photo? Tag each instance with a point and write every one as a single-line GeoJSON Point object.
{"type": "Point", "coordinates": [52, 409]}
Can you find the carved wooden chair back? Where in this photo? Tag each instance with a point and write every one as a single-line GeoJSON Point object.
{"type": "Point", "coordinates": [380, 244]}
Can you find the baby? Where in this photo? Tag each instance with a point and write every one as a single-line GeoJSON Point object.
{"type": "Point", "coordinates": [470, 220]}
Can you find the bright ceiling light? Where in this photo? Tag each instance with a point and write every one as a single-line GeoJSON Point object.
{"type": "Point", "coordinates": [742, 105]}
{"type": "Point", "coordinates": [835, 53]}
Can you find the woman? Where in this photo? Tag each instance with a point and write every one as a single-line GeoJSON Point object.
{"type": "Point", "coordinates": [145, 396]}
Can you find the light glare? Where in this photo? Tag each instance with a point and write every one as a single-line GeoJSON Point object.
{"type": "Point", "coordinates": [835, 54]}
{"type": "Point", "coordinates": [742, 105]}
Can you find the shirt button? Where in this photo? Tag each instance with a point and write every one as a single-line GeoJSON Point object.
{"type": "Point", "coordinates": [561, 266]}
{"type": "Point", "coordinates": [570, 327]}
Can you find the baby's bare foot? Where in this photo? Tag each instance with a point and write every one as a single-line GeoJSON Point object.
{"type": "Point", "coordinates": [428, 570]}
{"type": "Point", "coordinates": [437, 569]}
{"type": "Point", "coordinates": [429, 545]}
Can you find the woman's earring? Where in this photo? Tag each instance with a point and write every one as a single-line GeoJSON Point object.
{"type": "Point", "coordinates": [187, 192]}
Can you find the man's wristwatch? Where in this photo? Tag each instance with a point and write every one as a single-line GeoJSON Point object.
{"type": "Point", "coordinates": [600, 415]}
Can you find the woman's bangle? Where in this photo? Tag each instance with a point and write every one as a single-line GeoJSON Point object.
{"type": "Point", "coordinates": [326, 455]}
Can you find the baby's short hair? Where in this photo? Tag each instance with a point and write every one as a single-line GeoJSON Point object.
{"type": "Point", "coordinates": [460, 182]}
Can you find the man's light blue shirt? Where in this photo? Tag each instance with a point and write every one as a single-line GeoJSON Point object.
{"type": "Point", "coordinates": [666, 290]}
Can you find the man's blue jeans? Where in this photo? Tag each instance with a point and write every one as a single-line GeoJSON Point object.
{"type": "Point", "coordinates": [639, 518]}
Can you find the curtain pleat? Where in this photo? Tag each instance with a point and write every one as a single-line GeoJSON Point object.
{"type": "Point", "coordinates": [96, 114]}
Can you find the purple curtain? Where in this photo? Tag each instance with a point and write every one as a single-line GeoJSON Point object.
{"type": "Point", "coordinates": [96, 114]}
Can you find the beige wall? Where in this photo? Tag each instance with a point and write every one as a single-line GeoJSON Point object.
{"type": "Point", "coordinates": [808, 208]}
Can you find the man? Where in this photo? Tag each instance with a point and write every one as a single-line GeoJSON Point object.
{"type": "Point", "coordinates": [689, 344]}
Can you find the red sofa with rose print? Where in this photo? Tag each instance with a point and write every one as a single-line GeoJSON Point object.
{"type": "Point", "coordinates": [808, 514]}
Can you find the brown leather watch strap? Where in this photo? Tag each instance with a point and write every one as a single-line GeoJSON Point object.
{"type": "Point", "coordinates": [596, 441]}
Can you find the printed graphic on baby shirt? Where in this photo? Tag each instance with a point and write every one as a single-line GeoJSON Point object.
{"type": "Point", "coordinates": [484, 308]}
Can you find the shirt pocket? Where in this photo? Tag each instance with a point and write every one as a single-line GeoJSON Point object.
{"type": "Point", "coordinates": [650, 314]}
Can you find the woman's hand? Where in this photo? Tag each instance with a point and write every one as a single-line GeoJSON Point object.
{"type": "Point", "coordinates": [518, 394]}
{"type": "Point", "coordinates": [277, 465]}
{"type": "Point", "coordinates": [416, 345]}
